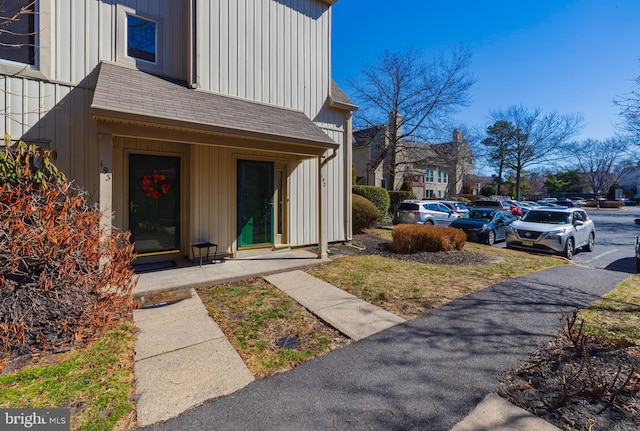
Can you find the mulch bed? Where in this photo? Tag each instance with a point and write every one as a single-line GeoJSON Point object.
{"type": "Point", "coordinates": [364, 244]}
{"type": "Point", "coordinates": [537, 386]}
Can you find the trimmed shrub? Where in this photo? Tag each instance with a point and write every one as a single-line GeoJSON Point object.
{"type": "Point", "coordinates": [396, 197]}
{"type": "Point", "coordinates": [377, 195]}
{"type": "Point", "coordinates": [415, 238]}
{"type": "Point", "coordinates": [593, 203]}
{"type": "Point", "coordinates": [364, 213]}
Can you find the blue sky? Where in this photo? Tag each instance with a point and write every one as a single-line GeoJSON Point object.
{"type": "Point", "coordinates": [569, 56]}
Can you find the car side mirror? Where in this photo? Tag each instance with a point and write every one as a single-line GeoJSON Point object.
{"type": "Point", "coordinates": [578, 223]}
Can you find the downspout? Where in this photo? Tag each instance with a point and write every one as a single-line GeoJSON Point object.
{"type": "Point", "coordinates": [331, 157]}
{"type": "Point", "coordinates": [192, 66]}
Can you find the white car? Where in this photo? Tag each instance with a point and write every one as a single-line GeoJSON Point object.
{"type": "Point", "coordinates": [424, 212]}
{"type": "Point", "coordinates": [553, 230]}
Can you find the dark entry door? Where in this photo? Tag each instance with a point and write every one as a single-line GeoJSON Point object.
{"type": "Point", "coordinates": [154, 204]}
{"type": "Point", "coordinates": [255, 203]}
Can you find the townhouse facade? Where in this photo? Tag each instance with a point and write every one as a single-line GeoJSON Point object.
{"type": "Point", "coordinates": [189, 121]}
{"type": "Point", "coordinates": [434, 171]}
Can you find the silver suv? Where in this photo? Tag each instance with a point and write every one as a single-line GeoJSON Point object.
{"type": "Point", "coordinates": [553, 230]}
{"type": "Point", "coordinates": [424, 212]}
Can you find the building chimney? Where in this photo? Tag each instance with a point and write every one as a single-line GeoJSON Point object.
{"type": "Point", "coordinates": [457, 135]}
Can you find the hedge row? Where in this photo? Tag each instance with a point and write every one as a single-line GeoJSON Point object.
{"type": "Point", "coordinates": [593, 203]}
{"type": "Point", "coordinates": [377, 195]}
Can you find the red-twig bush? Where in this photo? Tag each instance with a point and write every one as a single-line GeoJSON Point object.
{"type": "Point", "coordinates": [593, 203]}
{"type": "Point", "coordinates": [414, 238]}
{"type": "Point", "coordinates": [62, 282]}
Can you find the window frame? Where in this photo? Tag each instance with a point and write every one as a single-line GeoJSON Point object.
{"type": "Point", "coordinates": [428, 175]}
{"type": "Point", "coordinates": [11, 66]}
{"type": "Point", "coordinates": [122, 39]}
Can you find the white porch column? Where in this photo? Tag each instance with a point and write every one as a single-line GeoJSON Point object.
{"type": "Point", "coordinates": [106, 182]}
{"type": "Point", "coordinates": [322, 217]}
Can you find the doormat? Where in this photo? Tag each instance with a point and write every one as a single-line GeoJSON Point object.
{"type": "Point", "coordinates": [156, 266]}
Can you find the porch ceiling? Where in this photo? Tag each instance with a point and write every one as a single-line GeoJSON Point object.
{"type": "Point", "coordinates": [128, 102]}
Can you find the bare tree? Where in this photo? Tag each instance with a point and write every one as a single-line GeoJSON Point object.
{"type": "Point", "coordinates": [535, 138]}
{"type": "Point", "coordinates": [602, 162]}
{"type": "Point", "coordinates": [414, 97]}
{"type": "Point", "coordinates": [630, 110]}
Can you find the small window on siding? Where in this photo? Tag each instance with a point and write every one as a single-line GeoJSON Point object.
{"type": "Point", "coordinates": [141, 38]}
{"type": "Point", "coordinates": [18, 31]}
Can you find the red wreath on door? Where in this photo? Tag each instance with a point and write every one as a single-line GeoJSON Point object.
{"type": "Point", "coordinates": [155, 185]}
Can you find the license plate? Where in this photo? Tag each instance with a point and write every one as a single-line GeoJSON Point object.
{"type": "Point", "coordinates": [529, 243]}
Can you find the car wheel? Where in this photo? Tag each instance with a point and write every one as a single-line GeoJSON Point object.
{"type": "Point", "coordinates": [491, 238]}
{"type": "Point", "coordinates": [428, 223]}
{"type": "Point", "coordinates": [568, 249]}
{"type": "Point", "coordinates": [590, 243]}
{"type": "Point", "coordinates": [637, 265]}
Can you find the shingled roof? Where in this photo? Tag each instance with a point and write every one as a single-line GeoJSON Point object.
{"type": "Point", "coordinates": [126, 94]}
{"type": "Point", "coordinates": [339, 99]}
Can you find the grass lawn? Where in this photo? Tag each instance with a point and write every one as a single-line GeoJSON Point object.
{"type": "Point", "coordinates": [254, 315]}
{"type": "Point", "coordinates": [408, 289]}
{"type": "Point", "coordinates": [616, 316]}
{"type": "Point", "coordinates": [95, 382]}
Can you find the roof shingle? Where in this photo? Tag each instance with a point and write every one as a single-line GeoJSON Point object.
{"type": "Point", "coordinates": [129, 94]}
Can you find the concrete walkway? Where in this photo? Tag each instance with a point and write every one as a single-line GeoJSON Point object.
{"type": "Point", "coordinates": [182, 357]}
{"type": "Point", "coordinates": [354, 317]}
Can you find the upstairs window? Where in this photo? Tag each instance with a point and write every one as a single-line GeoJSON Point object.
{"type": "Point", "coordinates": [141, 38]}
{"type": "Point", "coordinates": [428, 177]}
{"type": "Point", "coordinates": [18, 31]}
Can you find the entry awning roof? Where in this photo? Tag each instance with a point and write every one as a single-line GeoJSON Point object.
{"type": "Point", "coordinates": [161, 108]}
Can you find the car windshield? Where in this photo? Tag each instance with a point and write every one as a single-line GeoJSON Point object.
{"type": "Point", "coordinates": [550, 217]}
{"type": "Point", "coordinates": [478, 215]}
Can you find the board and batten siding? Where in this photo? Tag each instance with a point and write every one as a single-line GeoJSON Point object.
{"type": "Point", "coordinates": [272, 51]}
{"type": "Point", "coordinates": [55, 117]}
{"type": "Point", "coordinates": [84, 32]}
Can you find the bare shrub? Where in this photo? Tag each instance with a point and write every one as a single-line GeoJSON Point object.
{"type": "Point", "coordinates": [414, 238]}
{"type": "Point", "coordinates": [62, 280]}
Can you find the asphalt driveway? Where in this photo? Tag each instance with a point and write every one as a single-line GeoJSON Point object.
{"type": "Point", "coordinates": [426, 374]}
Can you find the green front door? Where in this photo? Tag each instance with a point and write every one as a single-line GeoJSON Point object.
{"type": "Point", "coordinates": [154, 204]}
{"type": "Point", "coordinates": [255, 203]}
